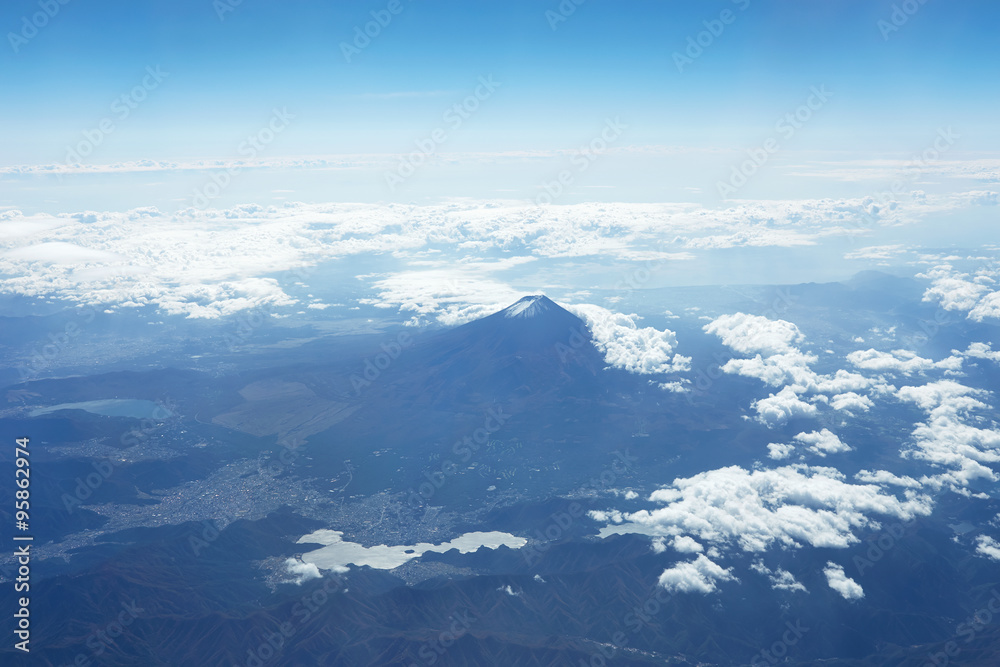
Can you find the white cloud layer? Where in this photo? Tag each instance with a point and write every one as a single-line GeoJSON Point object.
{"type": "Point", "coordinates": [953, 290]}
{"type": "Point", "coordinates": [980, 351]}
{"type": "Point", "coordinates": [449, 296]}
{"type": "Point", "coordinates": [903, 362]}
{"type": "Point", "coordinates": [947, 439]}
{"type": "Point", "coordinates": [778, 362]}
{"type": "Point", "coordinates": [209, 263]}
{"type": "Point", "coordinates": [880, 252]}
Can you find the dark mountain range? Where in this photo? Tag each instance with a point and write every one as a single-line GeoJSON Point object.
{"type": "Point", "coordinates": [575, 435]}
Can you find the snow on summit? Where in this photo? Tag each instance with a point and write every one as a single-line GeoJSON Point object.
{"type": "Point", "coordinates": [529, 306]}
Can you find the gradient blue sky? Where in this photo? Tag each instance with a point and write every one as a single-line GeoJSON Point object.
{"type": "Point", "coordinates": [608, 59]}
{"type": "Point", "coordinates": [818, 209]}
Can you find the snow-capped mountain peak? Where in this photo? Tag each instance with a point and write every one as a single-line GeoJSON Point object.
{"type": "Point", "coordinates": [529, 306]}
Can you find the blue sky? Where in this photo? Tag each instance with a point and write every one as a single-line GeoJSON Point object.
{"type": "Point", "coordinates": [561, 77]}
{"type": "Point", "coordinates": [605, 59]}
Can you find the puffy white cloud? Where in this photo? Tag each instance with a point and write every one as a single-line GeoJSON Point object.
{"type": "Point", "coordinates": [778, 451]}
{"type": "Point", "coordinates": [960, 291]}
{"type": "Point", "coordinates": [753, 334]}
{"type": "Point", "coordinates": [953, 290]}
{"type": "Point", "coordinates": [946, 440]}
{"type": "Point", "coordinates": [980, 351]}
{"type": "Point", "coordinates": [612, 516]}
{"type": "Point", "coordinates": [302, 572]}
{"type": "Point", "coordinates": [223, 298]}
{"type": "Point", "coordinates": [659, 545]}
{"type": "Point", "coordinates": [776, 370]}
{"type": "Point", "coordinates": [987, 308]}
{"type": "Point", "coordinates": [625, 345]}
{"type": "Point", "coordinates": [786, 507]}
{"type": "Point", "coordinates": [779, 408]}
{"type": "Point", "coordinates": [822, 442]}
{"type": "Point", "coordinates": [779, 363]}
{"type": "Point", "coordinates": [686, 545]}
{"type": "Point", "coordinates": [840, 582]}
{"type": "Point", "coordinates": [840, 382]}
{"type": "Point", "coordinates": [901, 361]}
{"type": "Point", "coordinates": [851, 402]}
{"type": "Point", "coordinates": [676, 387]}
{"type": "Point", "coordinates": [943, 396]}
{"type": "Point", "coordinates": [697, 576]}
{"type": "Point", "coordinates": [987, 546]}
